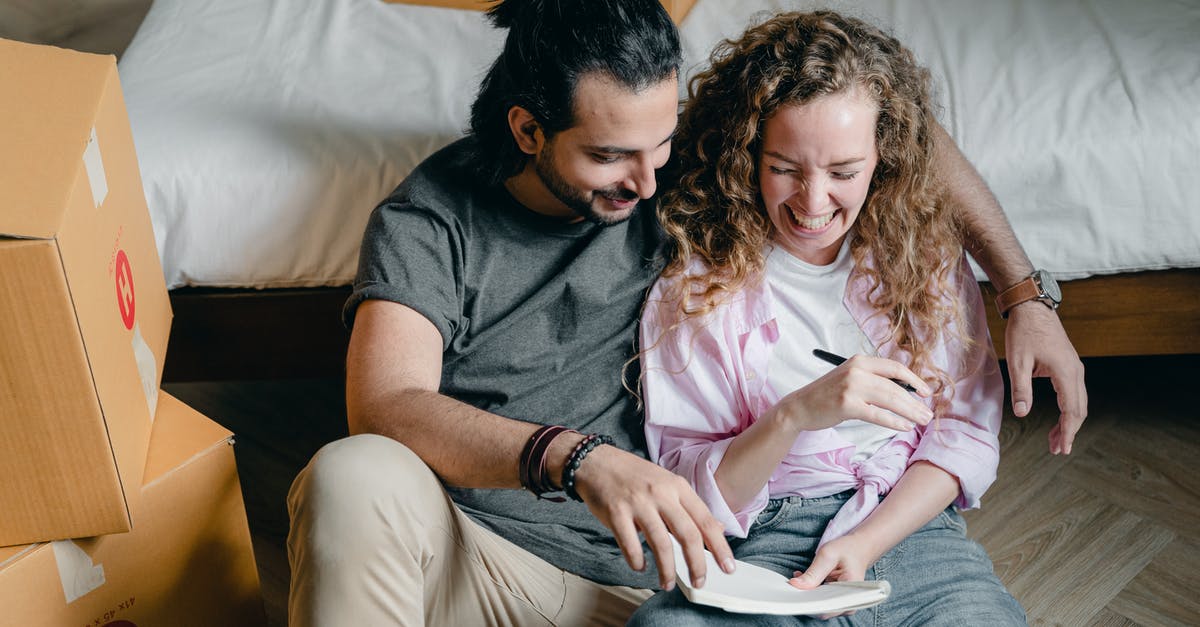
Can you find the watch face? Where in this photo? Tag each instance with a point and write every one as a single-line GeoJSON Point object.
{"type": "Point", "coordinates": [1049, 286]}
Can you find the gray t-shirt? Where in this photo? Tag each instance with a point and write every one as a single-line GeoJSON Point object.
{"type": "Point", "coordinates": [537, 317]}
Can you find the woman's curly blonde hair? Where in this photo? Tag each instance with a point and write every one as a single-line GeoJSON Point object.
{"type": "Point", "coordinates": [715, 213]}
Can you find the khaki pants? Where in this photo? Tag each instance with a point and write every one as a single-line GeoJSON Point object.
{"type": "Point", "coordinates": [375, 540]}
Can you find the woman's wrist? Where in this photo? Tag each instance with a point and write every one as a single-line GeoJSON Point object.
{"type": "Point", "coordinates": [788, 418]}
{"type": "Point", "coordinates": [871, 546]}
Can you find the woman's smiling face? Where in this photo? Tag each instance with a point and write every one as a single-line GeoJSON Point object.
{"type": "Point", "coordinates": [815, 171]}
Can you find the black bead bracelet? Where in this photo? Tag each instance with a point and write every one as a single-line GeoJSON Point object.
{"type": "Point", "coordinates": [581, 451]}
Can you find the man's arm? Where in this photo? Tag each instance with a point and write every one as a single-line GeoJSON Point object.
{"type": "Point", "coordinates": [988, 237]}
{"type": "Point", "coordinates": [1036, 345]}
{"type": "Point", "coordinates": [393, 372]}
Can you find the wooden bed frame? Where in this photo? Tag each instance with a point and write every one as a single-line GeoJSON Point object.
{"type": "Point", "coordinates": [232, 334]}
{"type": "Point", "coordinates": [676, 8]}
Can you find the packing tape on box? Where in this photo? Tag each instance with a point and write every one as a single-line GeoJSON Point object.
{"type": "Point", "coordinates": [76, 571]}
{"type": "Point", "coordinates": [147, 367]}
{"type": "Point", "coordinates": [94, 164]}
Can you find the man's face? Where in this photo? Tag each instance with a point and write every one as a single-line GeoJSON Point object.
{"type": "Point", "coordinates": [603, 165]}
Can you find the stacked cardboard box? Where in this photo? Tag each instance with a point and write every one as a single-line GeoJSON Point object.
{"type": "Point", "coordinates": [84, 322]}
{"type": "Point", "coordinates": [186, 562]}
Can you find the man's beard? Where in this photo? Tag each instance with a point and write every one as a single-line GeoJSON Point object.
{"type": "Point", "coordinates": [578, 201]}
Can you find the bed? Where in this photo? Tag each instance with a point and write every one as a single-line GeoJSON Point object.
{"type": "Point", "coordinates": [267, 130]}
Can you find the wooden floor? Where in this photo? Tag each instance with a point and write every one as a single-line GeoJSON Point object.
{"type": "Point", "coordinates": [1107, 536]}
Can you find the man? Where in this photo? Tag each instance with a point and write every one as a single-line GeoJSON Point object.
{"type": "Point", "coordinates": [498, 291]}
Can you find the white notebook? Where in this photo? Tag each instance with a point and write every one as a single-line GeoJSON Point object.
{"type": "Point", "coordinates": [755, 590]}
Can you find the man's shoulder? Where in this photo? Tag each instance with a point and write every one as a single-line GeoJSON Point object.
{"type": "Point", "coordinates": [444, 182]}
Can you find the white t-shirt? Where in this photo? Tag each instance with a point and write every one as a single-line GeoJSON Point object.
{"type": "Point", "coordinates": [810, 314]}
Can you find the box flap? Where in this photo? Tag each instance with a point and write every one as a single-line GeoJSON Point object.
{"type": "Point", "coordinates": [47, 110]}
{"type": "Point", "coordinates": [180, 433]}
{"type": "Point", "coordinates": [9, 554]}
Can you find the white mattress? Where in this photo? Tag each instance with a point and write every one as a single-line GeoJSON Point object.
{"type": "Point", "coordinates": [267, 130]}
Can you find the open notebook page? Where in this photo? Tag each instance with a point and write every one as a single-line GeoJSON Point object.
{"type": "Point", "coordinates": [755, 590]}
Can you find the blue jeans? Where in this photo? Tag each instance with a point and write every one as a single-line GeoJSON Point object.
{"type": "Point", "coordinates": [938, 575]}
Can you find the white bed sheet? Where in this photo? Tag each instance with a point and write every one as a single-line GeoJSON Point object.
{"type": "Point", "coordinates": [1081, 115]}
{"type": "Point", "coordinates": [267, 130]}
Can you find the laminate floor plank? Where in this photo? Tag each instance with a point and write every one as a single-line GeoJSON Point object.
{"type": "Point", "coordinates": [1107, 618]}
{"type": "Point", "coordinates": [1026, 465]}
{"type": "Point", "coordinates": [1167, 591]}
{"type": "Point", "coordinates": [1138, 468]}
{"type": "Point", "coordinates": [1068, 553]}
{"type": "Point", "coordinates": [1105, 536]}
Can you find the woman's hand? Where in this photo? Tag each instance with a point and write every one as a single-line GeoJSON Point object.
{"type": "Point", "coordinates": [861, 388]}
{"type": "Point", "coordinates": [840, 559]}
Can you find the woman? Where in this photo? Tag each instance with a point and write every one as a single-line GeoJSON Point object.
{"type": "Point", "coordinates": [805, 219]}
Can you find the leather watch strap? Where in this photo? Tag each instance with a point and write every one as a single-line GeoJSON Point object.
{"type": "Point", "coordinates": [1027, 289]}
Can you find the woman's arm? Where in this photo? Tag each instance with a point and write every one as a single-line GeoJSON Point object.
{"type": "Point", "coordinates": [924, 490]}
{"type": "Point", "coordinates": [861, 388]}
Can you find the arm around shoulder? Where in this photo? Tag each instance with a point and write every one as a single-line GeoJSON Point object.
{"type": "Point", "coordinates": [988, 236]}
{"type": "Point", "coordinates": [1035, 341]}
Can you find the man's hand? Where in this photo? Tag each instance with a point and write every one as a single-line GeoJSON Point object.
{"type": "Point", "coordinates": [1036, 345]}
{"type": "Point", "coordinates": [630, 494]}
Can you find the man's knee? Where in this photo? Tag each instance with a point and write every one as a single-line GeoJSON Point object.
{"type": "Point", "coordinates": [372, 462]}
{"type": "Point", "coordinates": [364, 481]}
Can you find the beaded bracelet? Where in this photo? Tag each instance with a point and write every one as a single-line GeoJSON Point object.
{"type": "Point", "coordinates": [581, 451]}
{"type": "Point", "coordinates": [531, 468]}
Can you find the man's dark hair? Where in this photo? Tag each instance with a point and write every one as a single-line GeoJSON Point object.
{"type": "Point", "coordinates": [551, 44]}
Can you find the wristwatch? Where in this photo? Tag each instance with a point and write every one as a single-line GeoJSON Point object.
{"type": "Point", "coordinates": [1040, 286]}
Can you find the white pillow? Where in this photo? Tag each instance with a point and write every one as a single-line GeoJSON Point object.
{"type": "Point", "coordinates": [268, 130]}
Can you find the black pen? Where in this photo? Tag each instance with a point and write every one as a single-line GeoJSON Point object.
{"type": "Point", "coordinates": [838, 360]}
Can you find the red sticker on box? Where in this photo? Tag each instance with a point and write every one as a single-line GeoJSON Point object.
{"type": "Point", "coordinates": [125, 289]}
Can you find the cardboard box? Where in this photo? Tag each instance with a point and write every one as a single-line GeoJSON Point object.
{"type": "Point", "coordinates": [84, 311]}
{"type": "Point", "coordinates": [187, 562]}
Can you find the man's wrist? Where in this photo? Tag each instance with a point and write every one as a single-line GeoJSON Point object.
{"type": "Point", "coordinates": [1039, 286]}
{"type": "Point", "coordinates": [597, 465]}
{"type": "Point", "coordinates": [1009, 276]}
{"type": "Point", "coordinates": [585, 448]}
{"type": "Point", "coordinates": [1031, 305]}
{"type": "Point", "coordinates": [560, 451]}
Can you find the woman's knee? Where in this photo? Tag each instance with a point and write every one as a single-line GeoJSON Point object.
{"type": "Point", "coordinates": [672, 609]}
{"type": "Point", "coordinates": [1001, 610]}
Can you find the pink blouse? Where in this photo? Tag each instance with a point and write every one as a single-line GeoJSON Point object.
{"type": "Point", "coordinates": [705, 382]}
